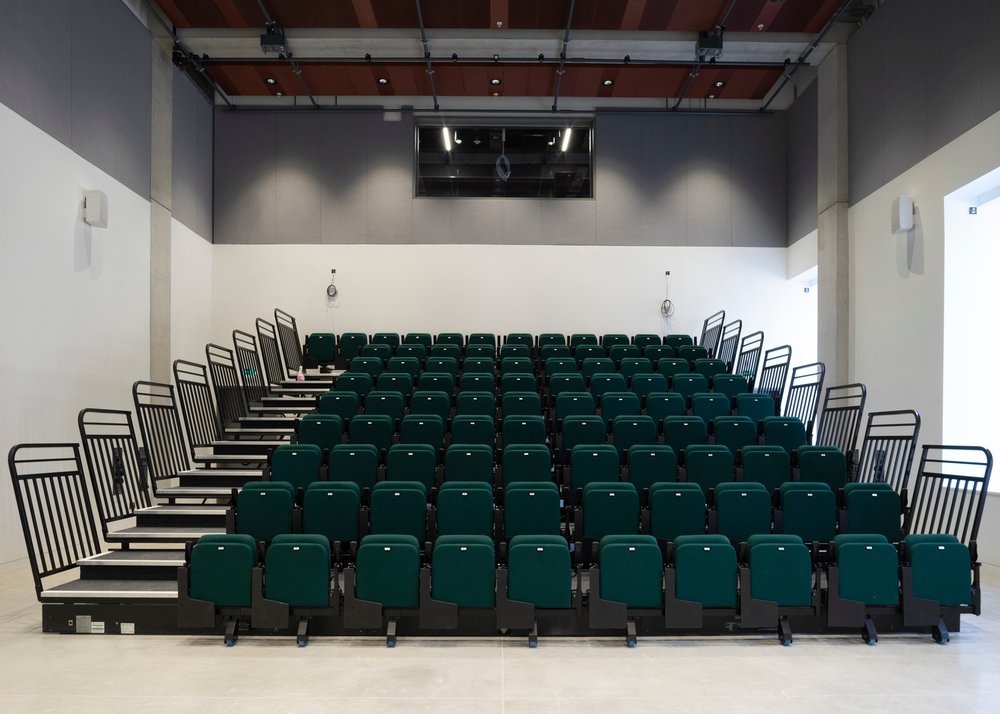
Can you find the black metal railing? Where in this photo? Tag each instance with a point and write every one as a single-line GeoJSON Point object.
{"type": "Point", "coordinates": [840, 421]}
{"type": "Point", "coordinates": [160, 428]}
{"type": "Point", "coordinates": [730, 343]}
{"type": "Point", "coordinates": [950, 491]}
{"type": "Point", "coordinates": [269, 352]}
{"type": "Point", "coordinates": [117, 474]}
{"type": "Point", "coordinates": [201, 421]}
{"type": "Point", "coordinates": [53, 504]}
{"type": "Point", "coordinates": [747, 363]}
{"type": "Point", "coordinates": [229, 396]}
{"type": "Point", "coordinates": [711, 332]}
{"type": "Point", "coordinates": [804, 389]}
{"type": "Point", "coordinates": [245, 348]}
{"type": "Point", "coordinates": [288, 339]}
{"type": "Point", "coordinates": [771, 378]}
{"type": "Point", "coordinates": [888, 448]}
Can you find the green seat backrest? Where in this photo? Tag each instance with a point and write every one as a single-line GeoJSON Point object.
{"type": "Point", "coordinates": [331, 508]}
{"type": "Point", "coordinates": [872, 508]}
{"type": "Point", "coordinates": [465, 508]}
{"type": "Point", "coordinates": [651, 463]}
{"type": "Point", "coordinates": [515, 365]}
{"type": "Point", "coordinates": [660, 405]}
{"type": "Point", "coordinates": [482, 338]}
{"type": "Point", "coordinates": [654, 353]}
{"type": "Point", "coordinates": [516, 403]}
{"type": "Point", "coordinates": [551, 338]}
{"type": "Point", "coordinates": [378, 351]}
{"type": "Point", "coordinates": [372, 366]}
{"type": "Point", "coordinates": [427, 401]}
{"type": "Point", "coordinates": [768, 465]}
{"type": "Point", "coordinates": [473, 430]}
{"type": "Point", "coordinates": [614, 404]}
{"type": "Point", "coordinates": [610, 508]}
{"type": "Point", "coordinates": [755, 406]}
{"type": "Point", "coordinates": [418, 338]}
{"type": "Point", "coordinates": [220, 569]}
{"type": "Point", "coordinates": [450, 338]}
{"type": "Point", "coordinates": [298, 464]}
{"type": "Point", "coordinates": [688, 383]}
{"type": "Point", "coordinates": [822, 463]}
{"type": "Point", "coordinates": [357, 463]}
{"type": "Point", "coordinates": [596, 365]}
{"type": "Point", "coordinates": [400, 382]}
{"type": "Point", "coordinates": [531, 509]}
{"type": "Point", "coordinates": [679, 432]}
{"type": "Point", "coordinates": [786, 432]}
{"type": "Point", "coordinates": [510, 349]}
{"type": "Point", "coordinates": [390, 403]}
{"type": "Point", "coordinates": [593, 462]}
{"type": "Point", "coordinates": [407, 364]}
{"type": "Point", "coordinates": [297, 570]}
{"type": "Point", "coordinates": [358, 382]}
{"type": "Point", "coordinates": [676, 509]}
{"type": "Point", "coordinates": [730, 384]}
{"type": "Point", "coordinates": [399, 507]}
{"type": "Point", "coordinates": [323, 430]}
{"type": "Point", "coordinates": [582, 352]}
{"type": "Point", "coordinates": [574, 404]}
{"type": "Point", "coordinates": [566, 382]}
{"type": "Point", "coordinates": [709, 405]}
{"type": "Point", "coordinates": [742, 509]}
{"type": "Point", "coordinates": [518, 382]}
{"type": "Point", "coordinates": [780, 570]}
{"type": "Point", "coordinates": [677, 340]}
{"type": "Point", "coordinates": [526, 462]}
{"type": "Point", "coordinates": [628, 431]}
{"type": "Point", "coordinates": [375, 429]}
{"type": "Point", "coordinates": [545, 352]}
{"type": "Point", "coordinates": [582, 338]}
{"type": "Point", "coordinates": [386, 338]}
{"type": "Point", "coordinates": [480, 351]}
{"type": "Point", "coordinates": [578, 430]}
{"type": "Point", "coordinates": [436, 381]}
{"type": "Point", "coordinates": [422, 429]}
{"type": "Point", "coordinates": [631, 571]}
{"type": "Point", "coordinates": [706, 570]}
{"type": "Point", "coordinates": [708, 465]}
{"type": "Point", "coordinates": [619, 353]}
{"type": "Point", "coordinates": [322, 346]}
{"type": "Point", "coordinates": [412, 462]}
{"type": "Point", "coordinates": [264, 509]}
{"type": "Point", "coordinates": [560, 365]}
{"type": "Point", "coordinates": [868, 568]}
{"type": "Point", "coordinates": [482, 365]}
{"type": "Point", "coordinates": [524, 429]}
{"type": "Point", "coordinates": [643, 340]}
{"type": "Point", "coordinates": [614, 339]}
{"type": "Point", "coordinates": [342, 403]}
{"type": "Point", "coordinates": [463, 570]}
{"type": "Point", "coordinates": [809, 510]}
{"type": "Point", "coordinates": [539, 571]}
{"type": "Point", "coordinates": [606, 382]}
{"type": "Point", "coordinates": [351, 344]}
{"type": "Point", "coordinates": [388, 571]}
{"type": "Point", "coordinates": [669, 366]}
{"type": "Point", "coordinates": [692, 353]}
{"type": "Point", "coordinates": [941, 567]}
{"type": "Point", "coordinates": [525, 339]}
{"type": "Point", "coordinates": [469, 462]}
{"type": "Point", "coordinates": [631, 366]}
{"type": "Point", "coordinates": [446, 365]}
{"type": "Point", "coordinates": [709, 367]}
{"type": "Point", "coordinates": [734, 433]}
{"type": "Point", "coordinates": [475, 402]}
{"type": "Point", "coordinates": [413, 350]}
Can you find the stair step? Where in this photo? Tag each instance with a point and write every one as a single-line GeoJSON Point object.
{"type": "Point", "coordinates": [181, 516]}
{"type": "Point", "coordinates": [246, 446]}
{"type": "Point", "coordinates": [271, 409]}
{"type": "Point", "coordinates": [270, 421]}
{"type": "Point", "coordinates": [132, 565]}
{"type": "Point", "coordinates": [160, 534]}
{"type": "Point", "coordinates": [85, 590]}
{"type": "Point", "coordinates": [230, 459]}
{"type": "Point", "coordinates": [224, 478]}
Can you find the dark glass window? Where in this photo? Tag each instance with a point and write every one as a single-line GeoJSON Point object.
{"type": "Point", "coordinates": [469, 161]}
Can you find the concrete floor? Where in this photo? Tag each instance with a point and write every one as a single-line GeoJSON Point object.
{"type": "Point", "coordinates": [60, 673]}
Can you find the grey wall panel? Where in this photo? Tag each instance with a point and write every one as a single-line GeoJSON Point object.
{"type": "Point", "coordinates": [920, 74]}
{"type": "Point", "coordinates": [802, 124]}
{"type": "Point", "coordinates": [245, 209]}
{"type": "Point", "coordinates": [709, 187]}
{"type": "Point", "coordinates": [112, 91]}
{"type": "Point", "coordinates": [474, 220]}
{"type": "Point", "coordinates": [203, 175]}
{"type": "Point", "coordinates": [519, 219]}
{"type": "Point", "coordinates": [9, 57]}
{"type": "Point", "coordinates": [432, 220]}
{"type": "Point", "coordinates": [298, 179]}
{"type": "Point", "coordinates": [566, 222]}
{"type": "Point", "coordinates": [184, 152]}
{"type": "Point", "coordinates": [617, 183]}
{"type": "Point", "coordinates": [662, 180]}
{"type": "Point", "coordinates": [344, 172]}
{"type": "Point", "coordinates": [44, 84]}
{"type": "Point", "coordinates": [865, 115]}
{"type": "Point", "coordinates": [389, 199]}
{"type": "Point", "coordinates": [759, 178]}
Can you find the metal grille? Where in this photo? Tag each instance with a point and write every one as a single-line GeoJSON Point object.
{"type": "Point", "coordinates": [749, 359]}
{"type": "Point", "coordinates": [804, 389]}
{"type": "Point", "coordinates": [888, 448]}
{"type": "Point", "coordinates": [288, 339]}
{"type": "Point", "coordinates": [245, 346]}
{"type": "Point", "coordinates": [53, 503]}
{"type": "Point", "coordinates": [711, 332]}
{"type": "Point", "coordinates": [841, 419]}
{"type": "Point", "coordinates": [950, 491]}
{"type": "Point", "coordinates": [229, 395]}
{"type": "Point", "coordinates": [771, 379]}
{"type": "Point", "coordinates": [160, 428]}
{"type": "Point", "coordinates": [269, 351]}
{"type": "Point", "coordinates": [729, 343]}
{"type": "Point", "coordinates": [117, 474]}
{"type": "Point", "coordinates": [200, 418]}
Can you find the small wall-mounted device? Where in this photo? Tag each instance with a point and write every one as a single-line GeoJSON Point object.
{"type": "Point", "coordinates": [902, 214]}
{"type": "Point", "coordinates": [95, 208]}
{"type": "Point", "coordinates": [331, 289]}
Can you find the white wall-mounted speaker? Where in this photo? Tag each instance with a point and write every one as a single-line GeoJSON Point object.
{"type": "Point", "coordinates": [902, 214]}
{"type": "Point", "coordinates": [95, 208]}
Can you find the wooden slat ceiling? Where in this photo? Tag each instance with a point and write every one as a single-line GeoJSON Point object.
{"type": "Point", "coordinates": [527, 80]}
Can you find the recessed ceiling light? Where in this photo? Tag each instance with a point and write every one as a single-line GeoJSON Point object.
{"type": "Point", "coordinates": [495, 81]}
{"type": "Point", "coordinates": [719, 84]}
{"type": "Point", "coordinates": [608, 82]}
{"type": "Point", "coordinates": [496, 94]}
{"type": "Point", "coordinates": [279, 94]}
{"type": "Point", "coordinates": [271, 80]}
{"type": "Point", "coordinates": [711, 96]}
{"type": "Point", "coordinates": [383, 81]}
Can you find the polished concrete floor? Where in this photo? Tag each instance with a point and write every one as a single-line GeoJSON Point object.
{"type": "Point", "coordinates": [66, 673]}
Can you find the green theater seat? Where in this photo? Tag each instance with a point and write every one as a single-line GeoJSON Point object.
{"type": "Point", "coordinates": [463, 570]}
{"type": "Point", "coordinates": [661, 405]}
{"type": "Point", "coordinates": [868, 569]}
{"type": "Point", "coordinates": [809, 510]}
{"type": "Point", "coordinates": [531, 508]}
{"type": "Point", "coordinates": [375, 429]}
{"type": "Point", "coordinates": [822, 463]}
{"type": "Point", "coordinates": [679, 432]}
{"type": "Point", "coordinates": [708, 465]}
{"type": "Point", "coordinates": [412, 462]}
{"type": "Point", "coordinates": [651, 463]}
{"type": "Point", "coordinates": [631, 571]}
{"type": "Point", "coordinates": [473, 430]}
{"type": "Point", "coordinates": [872, 508]}
{"type": "Point", "coordinates": [780, 569]}
{"type": "Point", "coordinates": [706, 571]}
{"type": "Point", "coordinates": [787, 432]}
{"type": "Point", "coordinates": [322, 430]}
{"type": "Point", "coordinates": [220, 569]}
{"type": "Point", "coordinates": [264, 509]}
{"type": "Point", "coordinates": [539, 571]}
{"type": "Point", "coordinates": [465, 508]}
{"type": "Point", "coordinates": [422, 429]}
{"type": "Point", "coordinates": [399, 508]}
{"type": "Point", "coordinates": [527, 462]}
{"type": "Point", "coordinates": [469, 462]}
{"type": "Point", "coordinates": [518, 403]}
{"type": "Point", "coordinates": [475, 403]}
{"type": "Point", "coordinates": [591, 463]}
{"type": "Point", "coordinates": [388, 571]}
{"type": "Point", "coordinates": [768, 465]}
{"type": "Point", "coordinates": [297, 570]}
{"type": "Point", "coordinates": [357, 463]}
{"type": "Point", "coordinates": [343, 403]}
{"type": "Point", "coordinates": [742, 509]}
{"type": "Point", "coordinates": [610, 508]}
{"type": "Point", "coordinates": [942, 568]}
{"type": "Point", "coordinates": [676, 509]}
{"type": "Point", "coordinates": [330, 508]}
{"type": "Point", "coordinates": [298, 464]}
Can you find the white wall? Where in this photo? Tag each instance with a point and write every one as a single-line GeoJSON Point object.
{"type": "Point", "coordinates": [500, 289]}
{"type": "Point", "coordinates": [897, 290]}
{"type": "Point", "coordinates": [190, 294]}
{"type": "Point", "coordinates": [74, 300]}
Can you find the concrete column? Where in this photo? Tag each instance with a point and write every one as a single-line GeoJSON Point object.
{"type": "Point", "coordinates": [160, 186]}
{"type": "Point", "coordinates": [834, 257]}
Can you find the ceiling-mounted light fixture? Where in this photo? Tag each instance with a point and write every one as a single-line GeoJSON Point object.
{"type": "Point", "coordinates": [495, 81]}
{"type": "Point", "coordinates": [711, 96]}
{"type": "Point", "coordinates": [457, 140]}
{"type": "Point", "coordinates": [271, 80]}
{"type": "Point", "coordinates": [608, 82]}
{"type": "Point", "coordinates": [496, 57]}
{"type": "Point", "coordinates": [566, 135]}
{"type": "Point", "coordinates": [719, 84]}
{"type": "Point", "coordinates": [280, 94]}
{"type": "Point", "coordinates": [447, 138]}
{"type": "Point", "coordinates": [383, 81]}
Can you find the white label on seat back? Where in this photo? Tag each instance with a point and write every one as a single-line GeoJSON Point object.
{"type": "Point", "coordinates": [386, 548]}
{"type": "Point", "coordinates": [540, 550]}
{"type": "Point", "coordinates": [868, 547]}
{"type": "Point", "coordinates": [706, 548]}
{"type": "Point", "coordinates": [631, 549]}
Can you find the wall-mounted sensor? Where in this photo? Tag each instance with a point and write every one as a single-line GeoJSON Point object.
{"type": "Point", "coordinates": [331, 289]}
{"type": "Point", "coordinates": [95, 208]}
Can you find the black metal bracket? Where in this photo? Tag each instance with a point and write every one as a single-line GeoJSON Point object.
{"type": "Point", "coordinates": [359, 614]}
{"type": "Point", "coordinates": [679, 614]}
{"type": "Point", "coordinates": [513, 614]}
{"type": "Point", "coordinates": [435, 614]}
{"type": "Point", "coordinates": [192, 613]}
{"type": "Point", "coordinates": [266, 614]}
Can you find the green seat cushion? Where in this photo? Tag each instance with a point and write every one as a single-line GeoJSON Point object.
{"type": "Point", "coordinates": [539, 571]}
{"type": "Point", "coordinates": [631, 570]}
{"type": "Point", "coordinates": [464, 570]}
